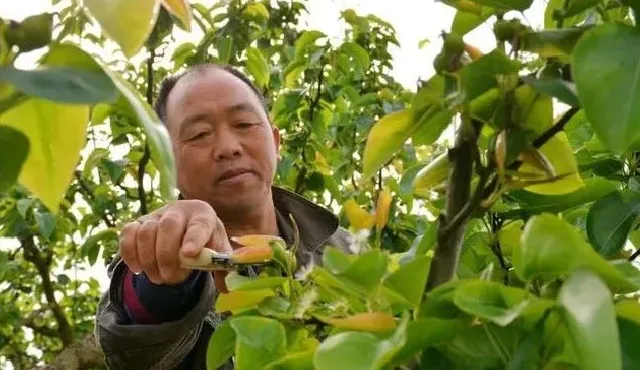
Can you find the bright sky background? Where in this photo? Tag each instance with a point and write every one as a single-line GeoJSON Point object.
{"type": "Point", "coordinates": [414, 20]}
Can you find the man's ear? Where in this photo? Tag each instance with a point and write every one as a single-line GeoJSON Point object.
{"type": "Point", "coordinates": [276, 140]}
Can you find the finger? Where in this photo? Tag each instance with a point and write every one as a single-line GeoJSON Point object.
{"type": "Point", "coordinates": [219, 240]}
{"type": "Point", "coordinates": [128, 247]}
{"type": "Point", "coordinates": [146, 245]}
{"type": "Point", "coordinates": [168, 240]}
{"type": "Point", "coordinates": [199, 230]}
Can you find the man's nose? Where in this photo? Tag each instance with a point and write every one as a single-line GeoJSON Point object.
{"type": "Point", "coordinates": [227, 143]}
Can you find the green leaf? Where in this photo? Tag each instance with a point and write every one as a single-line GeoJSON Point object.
{"type": "Point", "coordinates": [552, 43]}
{"type": "Point", "coordinates": [591, 319]}
{"type": "Point", "coordinates": [553, 247]}
{"type": "Point", "coordinates": [421, 244]}
{"type": "Point", "coordinates": [426, 332]}
{"type": "Point", "coordinates": [306, 38]}
{"type": "Point", "coordinates": [415, 272]}
{"type": "Point", "coordinates": [56, 134]}
{"type": "Point", "coordinates": [259, 341]}
{"type": "Point", "coordinates": [609, 221]}
{"type": "Point", "coordinates": [562, 90]}
{"type": "Point", "coordinates": [225, 48]}
{"type": "Point", "coordinates": [367, 270]}
{"type": "Point", "coordinates": [335, 260]}
{"type": "Point", "coordinates": [261, 283]}
{"type": "Point", "coordinates": [156, 133]}
{"type": "Point", "coordinates": [128, 23]}
{"type": "Point", "coordinates": [465, 22]}
{"type": "Point", "coordinates": [45, 223]}
{"type": "Point", "coordinates": [578, 6]}
{"type": "Point", "coordinates": [91, 247]}
{"type": "Point", "coordinates": [359, 351]}
{"type": "Point", "coordinates": [629, 339]}
{"type": "Point", "coordinates": [431, 125]}
{"type": "Point", "coordinates": [506, 4]}
{"type": "Point", "coordinates": [532, 203]}
{"type": "Point", "coordinates": [385, 138]}
{"type": "Point", "coordinates": [14, 150]}
{"type": "Point", "coordinates": [480, 75]}
{"type": "Point", "coordinates": [605, 69]}
{"type": "Point", "coordinates": [558, 5]}
{"type": "Point", "coordinates": [293, 361]}
{"type": "Point", "coordinates": [258, 66]}
{"type": "Point", "coordinates": [358, 53]}
{"type": "Point", "coordinates": [221, 347]}
{"type": "Point", "coordinates": [491, 301]}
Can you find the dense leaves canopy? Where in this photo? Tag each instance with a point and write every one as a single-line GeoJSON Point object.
{"type": "Point", "coordinates": [510, 246]}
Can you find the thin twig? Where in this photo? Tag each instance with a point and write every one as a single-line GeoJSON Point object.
{"type": "Point", "coordinates": [547, 135]}
{"type": "Point", "coordinates": [634, 255]}
{"type": "Point", "coordinates": [141, 167]}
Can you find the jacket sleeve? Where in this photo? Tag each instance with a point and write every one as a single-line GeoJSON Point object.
{"type": "Point", "coordinates": [147, 346]}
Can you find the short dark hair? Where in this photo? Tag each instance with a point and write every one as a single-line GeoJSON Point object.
{"type": "Point", "coordinates": [170, 82]}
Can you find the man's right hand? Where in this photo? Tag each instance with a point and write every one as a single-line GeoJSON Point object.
{"type": "Point", "coordinates": [152, 243]}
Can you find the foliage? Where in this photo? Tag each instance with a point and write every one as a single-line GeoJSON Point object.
{"type": "Point", "coordinates": [527, 264]}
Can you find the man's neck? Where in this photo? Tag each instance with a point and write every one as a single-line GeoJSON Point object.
{"type": "Point", "coordinates": [260, 219]}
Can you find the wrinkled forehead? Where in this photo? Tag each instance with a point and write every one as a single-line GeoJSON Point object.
{"type": "Point", "coordinates": [209, 90]}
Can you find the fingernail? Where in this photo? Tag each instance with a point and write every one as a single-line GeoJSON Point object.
{"type": "Point", "coordinates": [189, 248]}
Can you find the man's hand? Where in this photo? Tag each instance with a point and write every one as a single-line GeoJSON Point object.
{"type": "Point", "coordinates": [152, 243]}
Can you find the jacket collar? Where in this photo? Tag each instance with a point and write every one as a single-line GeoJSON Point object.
{"type": "Point", "coordinates": [315, 223]}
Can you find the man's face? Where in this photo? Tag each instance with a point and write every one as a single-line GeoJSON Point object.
{"type": "Point", "coordinates": [225, 147]}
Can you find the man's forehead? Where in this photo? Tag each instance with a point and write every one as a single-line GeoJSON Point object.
{"type": "Point", "coordinates": [210, 85]}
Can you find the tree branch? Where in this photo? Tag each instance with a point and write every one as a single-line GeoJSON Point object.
{"type": "Point", "coordinates": [43, 265]}
{"type": "Point", "coordinates": [89, 193]}
{"type": "Point", "coordinates": [559, 126]}
{"type": "Point", "coordinates": [447, 250]}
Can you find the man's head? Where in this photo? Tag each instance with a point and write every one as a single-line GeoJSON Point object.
{"type": "Point", "coordinates": [225, 147]}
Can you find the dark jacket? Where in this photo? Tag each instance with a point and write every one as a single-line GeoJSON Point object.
{"type": "Point", "coordinates": [182, 344]}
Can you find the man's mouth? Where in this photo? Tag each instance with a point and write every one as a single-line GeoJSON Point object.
{"type": "Point", "coordinates": [231, 174]}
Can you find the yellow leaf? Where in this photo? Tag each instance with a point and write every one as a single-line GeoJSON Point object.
{"type": "Point", "coordinates": [560, 155]}
{"type": "Point", "coordinates": [385, 139]}
{"type": "Point", "coordinates": [256, 240]}
{"type": "Point", "coordinates": [364, 321]}
{"type": "Point", "coordinates": [382, 208]}
{"type": "Point", "coordinates": [321, 165]}
{"type": "Point", "coordinates": [56, 135]}
{"type": "Point", "coordinates": [358, 217]}
{"type": "Point", "coordinates": [181, 10]}
{"type": "Point", "coordinates": [241, 299]}
{"type": "Point", "coordinates": [127, 22]}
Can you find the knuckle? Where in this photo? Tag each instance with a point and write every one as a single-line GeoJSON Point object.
{"type": "Point", "coordinates": [169, 221]}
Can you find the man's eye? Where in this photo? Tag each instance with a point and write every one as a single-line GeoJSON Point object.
{"type": "Point", "coordinates": [198, 136]}
{"type": "Point", "coordinates": [244, 125]}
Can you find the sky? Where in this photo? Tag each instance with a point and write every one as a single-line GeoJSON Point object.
{"type": "Point", "coordinates": [413, 20]}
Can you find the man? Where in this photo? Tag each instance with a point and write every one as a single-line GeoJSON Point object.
{"type": "Point", "coordinates": [155, 314]}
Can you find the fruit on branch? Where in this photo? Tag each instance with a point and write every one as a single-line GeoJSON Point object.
{"type": "Point", "coordinates": [507, 30]}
